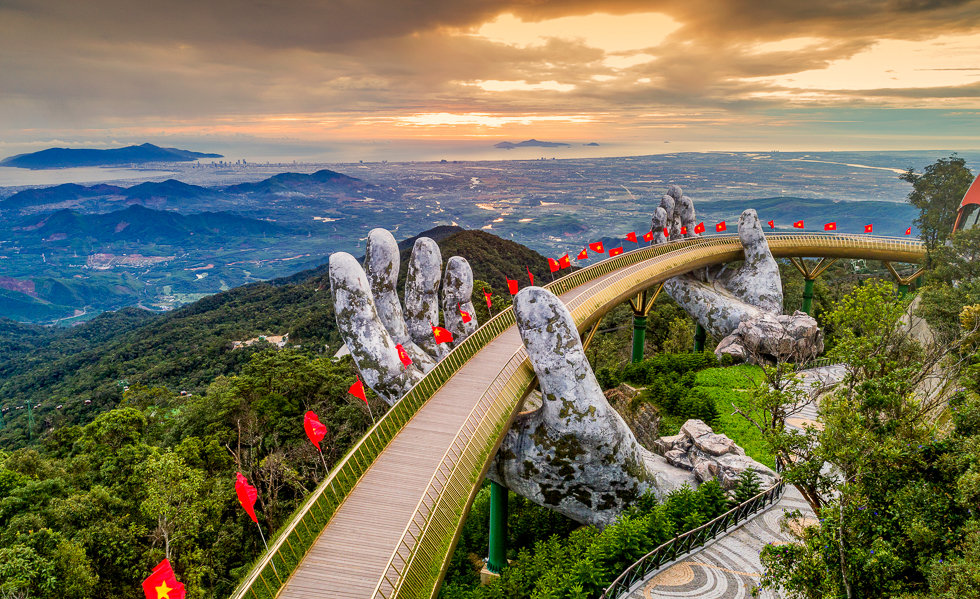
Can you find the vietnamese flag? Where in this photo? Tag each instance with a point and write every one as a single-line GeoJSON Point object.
{"type": "Point", "coordinates": [565, 262]}
{"type": "Point", "coordinates": [683, 230]}
{"type": "Point", "coordinates": [553, 264]}
{"type": "Point", "coordinates": [357, 390]}
{"type": "Point", "coordinates": [632, 237]}
{"type": "Point", "coordinates": [908, 231]}
{"type": "Point", "coordinates": [403, 355]}
{"type": "Point", "coordinates": [597, 247]}
{"type": "Point", "coordinates": [721, 227]}
{"type": "Point", "coordinates": [798, 224]}
{"type": "Point", "coordinates": [512, 286]}
{"type": "Point", "coordinates": [486, 295]}
{"type": "Point", "coordinates": [615, 251]}
{"type": "Point", "coordinates": [830, 227]}
{"type": "Point", "coordinates": [699, 228]}
{"type": "Point", "coordinates": [315, 430]}
{"type": "Point", "coordinates": [529, 275]}
{"type": "Point", "coordinates": [442, 335]}
{"type": "Point", "coordinates": [869, 228]}
{"type": "Point", "coordinates": [583, 255]}
{"type": "Point", "coordinates": [666, 233]}
{"type": "Point", "coordinates": [463, 313]}
{"type": "Point", "coordinates": [162, 584]}
{"type": "Point", "coordinates": [648, 237]}
{"type": "Point", "coordinates": [247, 493]}
{"type": "Point", "coordinates": [772, 224]}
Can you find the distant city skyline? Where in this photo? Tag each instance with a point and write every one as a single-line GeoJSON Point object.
{"type": "Point", "coordinates": [327, 79]}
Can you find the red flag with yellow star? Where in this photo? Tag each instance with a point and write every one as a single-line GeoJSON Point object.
{"type": "Point", "coordinates": [597, 247]}
{"type": "Point", "coordinates": [615, 251]}
{"type": "Point", "coordinates": [632, 237]}
{"type": "Point", "coordinates": [162, 584]}
{"type": "Point", "coordinates": [648, 237]}
{"type": "Point", "coordinates": [721, 227]}
{"type": "Point", "coordinates": [583, 255]}
{"type": "Point", "coordinates": [247, 494]}
{"type": "Point", "coordinates": [564, 262]}
{"type": "Point", "coordinates": [699, 228]}
{"type": "Point", "coordinates": [463, 313]}
{"type": "Point", "coordinates": [869, 228]}
{"type": "Point", "coordinates": [553, 265]}
{"type": "Point", "coordinates": [487, 295]}
{"type": "Point", "coordinates": [315, 429]}
{"type": "Point", "coordinates": [403, 355]}
{"type": "Point", "coordinates": [441, 335]}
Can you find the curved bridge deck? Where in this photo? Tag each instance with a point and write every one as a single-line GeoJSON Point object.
{"type": "Point", "coordinates": [393, 533]}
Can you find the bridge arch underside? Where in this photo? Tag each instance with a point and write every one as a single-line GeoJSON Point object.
{"type": "Point", "coordinates": [420, 558]}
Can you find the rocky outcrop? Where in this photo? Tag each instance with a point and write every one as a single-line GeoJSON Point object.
{"type": "Point", "coordinates": [711, 456]}
{"type": "Point", "coordinates": [768, 338]}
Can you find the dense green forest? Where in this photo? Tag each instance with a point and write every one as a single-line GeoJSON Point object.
{"type": "Point", "coordinates": [130, 470]}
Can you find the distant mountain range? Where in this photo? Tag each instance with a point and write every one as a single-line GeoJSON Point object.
{"type": "Point", "coordinates": [141, 225]}
{"type": "Point", "coordinates": [531, 143]}
{"type": "Point", "coordinates": [175, 195]}
{"type": "Point", "coordinates": [70, 157]}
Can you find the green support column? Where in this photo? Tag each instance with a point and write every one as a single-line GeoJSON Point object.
{"type": "Point", "coordinates": [903, 289]}
{"type": "Point", "coordinates": [808, 296]}
{"type": "Point", "coordinates": [497, 558]}
{"type": "Point", "coordinates": [639, 336]}
{"type": "Point", "coordinates": [700, 335]}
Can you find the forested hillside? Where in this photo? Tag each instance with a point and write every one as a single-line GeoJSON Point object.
{"type": "Point", "coordinates": [185, 350]}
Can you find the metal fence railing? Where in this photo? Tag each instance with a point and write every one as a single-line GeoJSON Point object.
{"type": "Point", "coordinates": [420, 559]}
{"type": "Point", "coordinates": [682, 544]}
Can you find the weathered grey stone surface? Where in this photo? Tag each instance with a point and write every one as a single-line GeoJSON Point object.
{"type": "Point", "coordinates": [457, 291]}
{"type": "Point", "coordinates": [658, 223]}
{"type": "Point", "coordinates": [382, 261]}
{"type": "Point", "coordinates": [422, 293]}
{"type": "Point", "coordinates": [371, 346]}
{"type": "Point", "coordinates": [575, 453]}
{"type": "Point", "coordinates": [685, 212]}
{"type": "Point", "coordinates": [768, 338]}
{"type": "Point", "coordinates": [757, 281]}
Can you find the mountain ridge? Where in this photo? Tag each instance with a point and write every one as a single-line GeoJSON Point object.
{"type": "Point", "coordinates": [76, 157]}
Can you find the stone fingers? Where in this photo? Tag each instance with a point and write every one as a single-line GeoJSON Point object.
{"type": "Point", "coordinates": [370, 344]}
{"type": "Point", "coordinates": [757, 281]}
{"type": "Point", "coordinates": [382, 262]}
{"type": "Point", "coordinates": [658, 224]}
{"type": "Point", "coordinates": [457, 291]}
{"type": "Point", "coordinates": [422, 293]}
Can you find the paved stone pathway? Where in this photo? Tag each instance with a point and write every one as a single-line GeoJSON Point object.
{"type": "Point", "coordinates": [729, 567]}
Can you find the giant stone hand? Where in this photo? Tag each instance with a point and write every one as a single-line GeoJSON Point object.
{"type": "Point", "coordinates": [742, 307]}
{"type": "Point", "coordinates": [371, 319]}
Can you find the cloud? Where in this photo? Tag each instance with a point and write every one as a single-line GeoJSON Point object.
{"type": "Point", "coordinates": [179, 64]}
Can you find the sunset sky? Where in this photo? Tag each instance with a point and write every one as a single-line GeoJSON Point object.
{"type": "Point", "coordinates": [744, 74]}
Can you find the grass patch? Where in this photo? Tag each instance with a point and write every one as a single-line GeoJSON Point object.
{"type": "Point", "coordinates": [732, 385]}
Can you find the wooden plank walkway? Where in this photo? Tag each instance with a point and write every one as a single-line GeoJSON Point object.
{"type": "Point", "coordinates": [349, 557]}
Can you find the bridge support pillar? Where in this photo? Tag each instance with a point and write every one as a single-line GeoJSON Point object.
{"type": "Point", "coordinates": [497, 557]}
{"type": "Point", "coordinates": [903, 282]}
{"type": "Point", "coordinates": [700, 336]}
{"type": "Point", "coordinates": [808, 296]}
{"type": "Point", "coordinates": [641, 309]}
{"type": "Point", "coordinates": [810, 274]}
{"type": "Point", "coordinates": [639, 337]}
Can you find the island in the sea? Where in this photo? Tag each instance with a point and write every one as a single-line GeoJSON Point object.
{"type": "Point", "coordinates": [70, 157]}
{"type": "Point", "coordinates": [530, 143]}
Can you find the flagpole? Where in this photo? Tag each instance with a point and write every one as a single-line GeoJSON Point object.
{"type": "Point", "coordinates": [272, 560]}
{"type": "Point", "coordinates": [327, 470]}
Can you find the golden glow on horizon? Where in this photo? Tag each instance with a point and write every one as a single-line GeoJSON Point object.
{"type": "Point", "coordinates": [523, 86]}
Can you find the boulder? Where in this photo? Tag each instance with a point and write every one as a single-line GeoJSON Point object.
{"type": "Point", "coordinates": [711, 456]}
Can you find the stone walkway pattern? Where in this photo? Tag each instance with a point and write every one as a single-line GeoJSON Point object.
{"type": "Point", "coordinates": [729, 567]}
